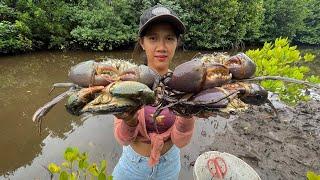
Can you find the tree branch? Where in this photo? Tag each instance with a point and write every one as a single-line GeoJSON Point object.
{"type": "Point", "coordinates": [285, 79]}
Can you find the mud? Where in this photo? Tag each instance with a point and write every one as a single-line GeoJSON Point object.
{"type": "Point", "coordinates": [277, 148]}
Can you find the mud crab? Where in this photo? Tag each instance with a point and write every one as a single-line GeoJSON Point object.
{"type": "Point", "coordinates": [229, 97]}
{"type": "Point", "coordinates": [91, 73]}
{"type": "Point", "coordinates": [209, 71]}
{"type": "Point", "coordinates": [91, 76]}
{"type": "Point", "coordinates": [119, 97]}
{"type": "Point", "coordinates": [195, 75]}
{"type": "Point", "coordinates": [241, 66]}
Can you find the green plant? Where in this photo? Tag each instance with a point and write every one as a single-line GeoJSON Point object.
{"type": "Point", "coordinates": [310, 34]}
{"type": "Point", "coordinates": [13, 37]}
{"type": "Point", "coordinates": [281, 59]}
{"type": "Point", "coordinates": [283, 18]}
{"type": "Point", "coordinates": [77, 166]}
{"type": "Point", "coordinates": [312, 176]}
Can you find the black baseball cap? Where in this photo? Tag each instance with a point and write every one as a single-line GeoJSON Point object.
{"type": "Point", "coordinates": [160, 13]}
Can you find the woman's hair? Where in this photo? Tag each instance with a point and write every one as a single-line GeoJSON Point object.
{"type": "Point", "coordinates": [138, 52]}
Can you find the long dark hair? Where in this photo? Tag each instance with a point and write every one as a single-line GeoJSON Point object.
{"type": "Point", "coordinates": [138, 53]}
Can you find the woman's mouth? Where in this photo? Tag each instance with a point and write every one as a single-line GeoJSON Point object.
{"type": "Point", "coordinates": [161, 57]}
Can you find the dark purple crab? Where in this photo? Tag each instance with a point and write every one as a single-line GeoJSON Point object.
{"type": "Point", "coordinates": [218, 99]}
{"type": "Point", "coordinates": [241, 66]}
{"type": "Point", "coordinates": [195, 75]}
{"type": "Point", "coordinates": [91, 73]}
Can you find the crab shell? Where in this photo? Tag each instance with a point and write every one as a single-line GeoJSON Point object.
{"type": "Point", "coordinates": [80, 98]}
{"type": "Point", "coordinates": [241, 66]}
{"type": "Point", "coordinates": [91, 73]}
{"type": "Point", "coordinates": [132, 90]}
{"type": "Point", "coordinates": [105, 103]}
{"type": "Point", "coordinates": [256, 95]}
{"type": "Point", "coordinates": [249, 93]}
{"type": "Point", "coordinates": [142, 74]}
{"type": "Point", "coordinates": [211, 98]}
{"type": "Point", "coordinates": [86, 74]}
{"type": "Point", "coordinates": [195, 75]}
{"type": "Point", "coordinates": [120, 96]}
{"type": "Point", "coordinates": [82, 73]}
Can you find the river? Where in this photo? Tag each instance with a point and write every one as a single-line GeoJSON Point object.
{"type": "Point", "coordinates": [25, 81]}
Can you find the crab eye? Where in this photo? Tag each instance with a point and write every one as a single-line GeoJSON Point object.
{"type": "Point", "coordinates": [258, 97]}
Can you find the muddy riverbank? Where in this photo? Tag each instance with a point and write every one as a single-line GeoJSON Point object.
{"type": "Point", "coordinates": [277, 148]}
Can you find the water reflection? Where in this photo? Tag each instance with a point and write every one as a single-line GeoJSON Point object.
{"type": "Point", "coordinates": [94, 136]}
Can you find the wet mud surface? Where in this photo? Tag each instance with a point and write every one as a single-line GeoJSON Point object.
{"type": "Point", "coordinates": [277, 148]}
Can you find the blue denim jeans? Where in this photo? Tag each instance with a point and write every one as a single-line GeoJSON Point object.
{"type": "Point", "coordinates": [133, 166]}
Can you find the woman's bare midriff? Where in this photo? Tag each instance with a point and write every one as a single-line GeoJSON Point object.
{"type": "Point", "coordinates": [144, 149]}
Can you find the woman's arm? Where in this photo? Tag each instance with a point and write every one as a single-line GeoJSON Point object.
{"type": "Point", "coordinates": [126, 128]}
{"type": "Point", "coordinates": [182, 131]}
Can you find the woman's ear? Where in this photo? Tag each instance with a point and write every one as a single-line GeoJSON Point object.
{"type": "Point", "coordinates": [141, 42]}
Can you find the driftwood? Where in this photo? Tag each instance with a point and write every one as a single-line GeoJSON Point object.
{"type": "Point", "coordinates": [285, 79]}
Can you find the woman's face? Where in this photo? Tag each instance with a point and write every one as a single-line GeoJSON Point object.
{"type": "Point", "coordinates": [159, 43]}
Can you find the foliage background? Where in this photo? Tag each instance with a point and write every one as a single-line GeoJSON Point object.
{"type": "Point", "coordinates": [100, 25]}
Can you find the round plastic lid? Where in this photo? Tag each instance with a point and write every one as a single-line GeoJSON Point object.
{"type": "Point", "coordinates": [213, 165]}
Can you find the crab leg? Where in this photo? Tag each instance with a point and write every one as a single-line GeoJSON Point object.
{"type": "Point", "coordinates": [42, 111]}
{"type": "Point", "coordinates": [59, 85]}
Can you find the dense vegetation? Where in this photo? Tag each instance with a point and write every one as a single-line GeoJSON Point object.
{"type": "Point", "coordinates": [105, 24]}
{"type": "Point", "coordinates": [281, 59]}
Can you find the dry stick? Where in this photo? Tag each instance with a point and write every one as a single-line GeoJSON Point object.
{"type": "Point", "coordinates": [286, 79]}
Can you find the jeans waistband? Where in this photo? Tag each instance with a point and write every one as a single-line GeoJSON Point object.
{"type": "Point", "coordinates": [136, 157]}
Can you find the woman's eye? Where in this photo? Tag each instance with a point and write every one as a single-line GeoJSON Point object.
{"type": "Point", "coordinates": [171, 38]}
{"type": "Point", "coordinates": [152, 38]}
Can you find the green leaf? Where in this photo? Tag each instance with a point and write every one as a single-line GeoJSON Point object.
{"type": "Point", "coordinates": [102, 176]}
{"type": "Point", "coordinates": [54, 168]}
{"type": "Point", "coordinates": [63, 175]}
{"type": "Point", "coordinates": [308, 57]}
{"type": "Point", "coordinates": [103, 165]}
{"type": "Point", "coordinates": [71, 154]}
{"type": "Point", "coordinates": [314, 79]}
{"type": "Point", "coordinates": [93, 169]}
{"type": "Point", "coordinates": [65, 164]}
{"type": "Point", "coordinates": [312, 176]}
{"type": "Point", "coordinates": [73, 176]}
{"type": "Point", "coordinates": [83, 164]}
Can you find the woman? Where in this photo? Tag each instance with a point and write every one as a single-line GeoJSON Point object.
{"type": "Point", "coordinates": [150, 153]}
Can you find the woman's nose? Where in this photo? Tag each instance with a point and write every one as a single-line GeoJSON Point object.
{"type": "Point", "coordinates": [162, 46]}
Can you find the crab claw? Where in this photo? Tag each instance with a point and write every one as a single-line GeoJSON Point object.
{"type": "Point", "coordinates": [107, 104]}
{"type": "Point", "coordinates": [142, 74]}
{"type": "Point", "coordinates": [241, 66]}
{"type": "Point", "coordinates": [79, 99]}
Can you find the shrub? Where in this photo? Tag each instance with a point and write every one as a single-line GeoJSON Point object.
{"type": "Point", "coordinates": [77, 166]}
{"type": "Point", "coordinates": [281, 59]}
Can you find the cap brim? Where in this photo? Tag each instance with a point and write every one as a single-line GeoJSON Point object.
{"type": "Point", "coordinates": [164, 18]}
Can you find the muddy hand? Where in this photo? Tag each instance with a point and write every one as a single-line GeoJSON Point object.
{"type": "Point", "coordinates": [130, 118]}
{"type": "Point", "coordinates": [206, 114]}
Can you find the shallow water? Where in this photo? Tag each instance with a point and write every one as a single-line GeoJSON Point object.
{"type": "Point", "coordinates": [24, 84]}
